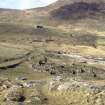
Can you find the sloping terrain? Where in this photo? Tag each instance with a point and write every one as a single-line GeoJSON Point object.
{"type": "Point", "coordinates": [79, 10]}
{"type": "Point", "coordinates": [53, 55]}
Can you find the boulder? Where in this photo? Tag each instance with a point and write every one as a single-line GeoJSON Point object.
{"type": "Point", "coordinates": [39, 27]}
{"type": "Point", "coordinates": [58, 78]}
{"type": "Point", "coordinates": [53, 85]}
{"type": "Point", "coordinates": [64, 86]}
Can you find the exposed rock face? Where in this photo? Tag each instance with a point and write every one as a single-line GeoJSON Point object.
{"type": "Point", "coordinates": [34, 83]}
{"type": "Point", "coordinates": [15, 94]}
{"type": "Point", "coordinates": [53, 85]}
{"type": "Point", "coordinates": [60, 3]}
{"type": "Point", "coordinates": [59, 86]}
{"type": "Point", "coordinates": [72, 84]}
{"type": "Point", "coordinates": [79, 10]}
{"type": "Point", "coordinates": [5, 84]}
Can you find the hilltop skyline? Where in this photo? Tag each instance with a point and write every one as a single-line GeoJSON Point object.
{"type": "Point", "coordinates": [24, 4]}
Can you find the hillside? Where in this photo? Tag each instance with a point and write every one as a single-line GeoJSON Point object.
{"type": "Point", "coordinates": [58, 12]}
{"type": "Point", "coordinates": [53, 55]}
{"type": "Point", "coordinates": [79, 10]}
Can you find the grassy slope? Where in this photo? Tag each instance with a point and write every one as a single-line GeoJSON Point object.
{"type": "Point", "coordinates": [18, 35]}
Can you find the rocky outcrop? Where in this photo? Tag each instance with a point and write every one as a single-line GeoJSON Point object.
{"type": "Point", "coordinates": [72, 84]}
{"type": "Point", "coordinates": [15, 94]}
